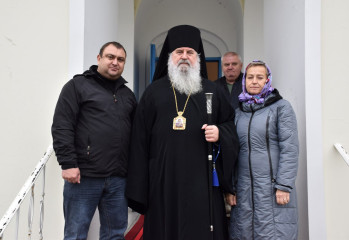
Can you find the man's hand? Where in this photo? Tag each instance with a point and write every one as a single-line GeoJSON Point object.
{"type": "Point", "coordinates": [72, 175]}
{"type": "Point", "coordinates": [230, 199]}
{"type": "Point", "coordinates": [282, 197]}
{"type": "Point", "coordinates": [211, 133]}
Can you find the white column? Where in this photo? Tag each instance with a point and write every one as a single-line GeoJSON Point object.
{"type": "Point", "coordinates": [253, 31]}
{"type": "Point", "coordinates": [316, 194]}
{"type": "Point", "coordinates": [76, 37]}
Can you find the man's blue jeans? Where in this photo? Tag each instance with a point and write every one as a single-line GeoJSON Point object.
{"type": "Point", "coordinates": [81, 201]}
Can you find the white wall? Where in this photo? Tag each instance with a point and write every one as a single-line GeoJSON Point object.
{"type": "Point", "coordinates": [33, 67]}
{"type": "Point", "coordinates": [43, 44]}
{"type": "Point", "coordinates": [274, 32]}
{"type": "Point", "coordinates": [216, 19]}
{"type": "Point", "coordinates": [335, 98]}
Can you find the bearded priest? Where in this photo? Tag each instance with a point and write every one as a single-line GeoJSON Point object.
{"type": "Point", "coordinates": [168, 178]}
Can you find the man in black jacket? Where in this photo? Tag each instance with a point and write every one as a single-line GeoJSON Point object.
{"type": "Point", "coordinates": [91, 134]}
{"type": "Point", "coordinates": [231, 81]}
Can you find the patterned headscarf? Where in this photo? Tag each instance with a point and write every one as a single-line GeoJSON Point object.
{"type": "Point", "coordinates": [267, 89]}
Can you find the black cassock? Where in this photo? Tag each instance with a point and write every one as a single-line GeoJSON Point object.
{"type": "Point", "coordinates": [167, 173]}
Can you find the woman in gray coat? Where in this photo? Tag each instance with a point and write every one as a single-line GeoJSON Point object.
{"type": "Point", "coordinates": [265, 205]}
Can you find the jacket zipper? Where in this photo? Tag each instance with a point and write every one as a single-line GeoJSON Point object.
{"type": "Point", "coordinates": [250, 167]}
{"type": "Point", "coordinates": [270, 165]}
{"type": "Point", "coordinates": [268, 149]}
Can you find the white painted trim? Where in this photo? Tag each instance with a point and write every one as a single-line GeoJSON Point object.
{"type": "Point", "coordinates": [315, 166]}
{"type": "Point", "coordinates": [76, 37]}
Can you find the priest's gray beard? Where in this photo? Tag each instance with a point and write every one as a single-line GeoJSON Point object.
{"type": "Point", "coordinates": [185, 78]}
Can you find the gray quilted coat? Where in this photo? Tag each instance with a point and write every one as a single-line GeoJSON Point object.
{"type": "Point", "coordinates": [268, 160]}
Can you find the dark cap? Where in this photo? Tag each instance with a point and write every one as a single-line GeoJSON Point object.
{"type": "Point", "coordinates": [184, 36]}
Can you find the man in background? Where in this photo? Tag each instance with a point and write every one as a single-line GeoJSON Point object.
{"type": "Point", "coordinates": [231, 81]}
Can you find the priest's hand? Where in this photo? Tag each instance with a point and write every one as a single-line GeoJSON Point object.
{"type": "Point", "coordinates": [72, 175]}
{"type": "Point", "coordinates": [211, 132]}
{"type": "Point", "coordinates": [230, 199]}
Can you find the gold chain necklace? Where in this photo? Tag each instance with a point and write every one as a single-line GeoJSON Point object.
{"type": "Point", "coordinates": [179, 122]}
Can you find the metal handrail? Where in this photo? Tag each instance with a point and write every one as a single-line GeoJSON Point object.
{"type": "Point", "coordinates": [343, 152]}
{"type": "Point", "coordinates": [16, 203]}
